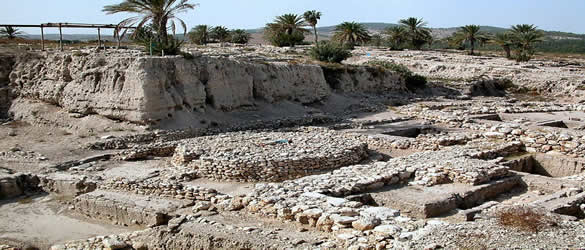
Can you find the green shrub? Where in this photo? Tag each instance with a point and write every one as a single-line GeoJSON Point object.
{"type": "Point", "coordinates": [281, 39]}
{"type": "Point", "coordinates": [415, 81]}
{"type": "Point", "coordinates": [146, 37]}
{"type": "Point", "coordinates": [200, 34]}
{"type": "Point", "coordinates": [329, 52]}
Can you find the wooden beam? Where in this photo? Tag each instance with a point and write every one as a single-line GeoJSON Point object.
{"type": "Point", "coordinates": [66, 25]}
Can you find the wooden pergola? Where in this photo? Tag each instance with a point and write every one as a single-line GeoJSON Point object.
{"type": "Point", "coordinates": [99, 27]}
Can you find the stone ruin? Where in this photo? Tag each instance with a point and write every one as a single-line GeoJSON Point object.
{"type": "Point", "coordinates": [405, 170]}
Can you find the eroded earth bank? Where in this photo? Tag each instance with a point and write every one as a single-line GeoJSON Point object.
{"type": "Point", "coordinates": [240, 148]}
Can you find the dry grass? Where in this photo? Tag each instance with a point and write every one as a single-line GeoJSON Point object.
{"type": "Point", "coordinates": [472, 241]}
{"type": "Point", "coordinates": [525, 219]}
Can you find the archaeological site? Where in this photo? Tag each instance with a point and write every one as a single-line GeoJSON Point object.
{"type": "Point", "coordinates": [273, 143]}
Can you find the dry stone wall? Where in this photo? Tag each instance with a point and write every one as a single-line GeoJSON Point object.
{"type": "Point", "coordinates": [268, 156]}
{"type": "Point", "coordinates": [143, 89]}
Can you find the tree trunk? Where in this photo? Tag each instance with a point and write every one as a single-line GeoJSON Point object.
{"type": "Point", "coordinates": [162, 30]}
{"type": "Point", "coordinates": [316, 37]}
{"type": "Point", "coordinates": [508, 52]}
{"type": "Point", "coordinates": [472, 47]}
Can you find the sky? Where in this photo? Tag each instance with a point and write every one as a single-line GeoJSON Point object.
{"type": "Point", "coordinates": [559, 15]}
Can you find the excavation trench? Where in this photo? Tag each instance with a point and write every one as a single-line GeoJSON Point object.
{"type": "Point", "coordinates": [547, 165]}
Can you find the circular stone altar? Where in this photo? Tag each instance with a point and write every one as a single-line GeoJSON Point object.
{"type": "Point", "coordinates": [268, 156]}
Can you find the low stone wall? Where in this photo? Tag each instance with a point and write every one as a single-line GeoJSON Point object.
{"type": "Point", "coordinates": [268, 156]}
{"type": "Point", "coordinates": [172, 190]}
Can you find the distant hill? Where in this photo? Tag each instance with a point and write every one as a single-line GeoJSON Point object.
{"type": "Point", "coordinates": [555, 41]}
{"type": "Point", "coordinates": [375, 28]}
{"type": "Point", "coordinates": [327, 31]}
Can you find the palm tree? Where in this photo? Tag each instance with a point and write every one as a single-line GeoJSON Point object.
{"type": "Point", "coordinates": [311, 18]}
{"type": "Point", "coordinates": [523, 28]}
{"type": "Point", "coordinates": [376, 40]}
{"type": "Point", "coordinates": [200, 34]}
{"type": "Point", "coordinates": [239, 36]}
{"type": "Point", "coordinates": [397, 35]}
{"type": "Point", "coordinates": [290, 23]}
{"type": "Point", "coordinates": [470, 34]}
{"type": "Point", "coordinates": [220, 34]}
{"type": "Point", "coordinates": [162, 14]}
{"type": "Point", "coordinates": [504, 40]}
{"type": "Point", "coordinates": [524, 36]}
{"type": "Point", "coordinates": [10, 32]}
{"type": "Point", "coordinates": [286, 30]}
{"type": "Point", "coordinates": [351, 33]}
{"type": "Point", "coordinates": [418, 33]}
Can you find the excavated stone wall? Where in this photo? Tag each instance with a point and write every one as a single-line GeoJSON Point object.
{"type": "Point", "coordinates": [363, 79]}
{"type": "Point", "coordinates": [145, 89]}
{"type": "Point", "coordinates": [118, 208]}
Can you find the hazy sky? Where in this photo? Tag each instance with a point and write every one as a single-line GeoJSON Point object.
{"type": "Point", "coordinates": [562, 15]}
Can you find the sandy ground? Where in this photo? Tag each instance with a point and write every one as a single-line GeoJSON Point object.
{"type": "Point", "coordinates": [231, 188]}
{"type": "Point", "coordinates": [46, 222]}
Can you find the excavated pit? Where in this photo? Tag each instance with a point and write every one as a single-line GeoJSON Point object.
{"type": "Point", "coordinates": [547, 165]}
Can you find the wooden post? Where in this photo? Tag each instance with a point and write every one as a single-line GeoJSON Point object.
{"type": "Point", "coordinates": [42, 38]}
{"type": "Point", "coordinates": [99, 38]}
{"type": "Point", "coordinates": [117, 35]}
{"type": "Point", "coordinates": [60, 37]}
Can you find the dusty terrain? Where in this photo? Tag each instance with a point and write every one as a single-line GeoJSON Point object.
{"type": "Point", "coordinates": [260, 148]}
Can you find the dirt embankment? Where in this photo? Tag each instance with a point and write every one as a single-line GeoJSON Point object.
{"type": "Point", "coordinates": [148, 90]}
